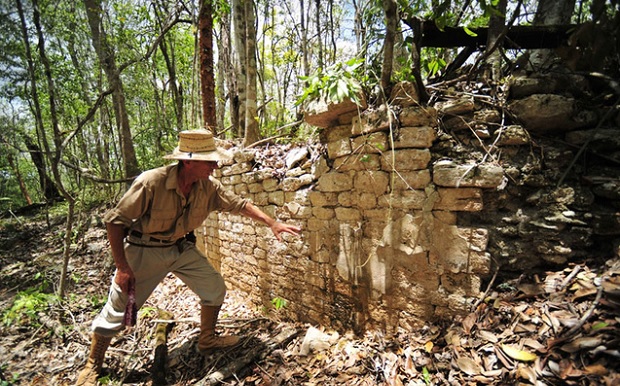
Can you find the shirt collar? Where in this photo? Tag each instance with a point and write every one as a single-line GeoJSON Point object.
{"type": "Point", "coordinates": [173, 177]}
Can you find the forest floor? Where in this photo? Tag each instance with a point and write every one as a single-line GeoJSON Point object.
{"type": "Point", "coordinates": [556, 328]}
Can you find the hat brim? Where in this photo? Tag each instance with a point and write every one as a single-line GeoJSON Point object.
{"type": "Point", "coordinates": [215, 155]}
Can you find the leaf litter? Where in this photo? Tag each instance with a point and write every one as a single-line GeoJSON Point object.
{"type": "Point", "coordinates": [561, 328]}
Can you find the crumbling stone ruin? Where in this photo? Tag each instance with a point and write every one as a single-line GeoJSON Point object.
{"type": "Point", "coordinates": [409, 210]}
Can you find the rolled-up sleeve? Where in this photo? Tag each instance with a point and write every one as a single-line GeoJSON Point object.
{"type": "Point", "coordinates": [226, 200]}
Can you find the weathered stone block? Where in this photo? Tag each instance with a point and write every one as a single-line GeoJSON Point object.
{"type": "Point", "coordinates": [513, 135]}
{"type": "Point", "coordinates": [323, 114]}
{"type": "Point", "coordinates": [234, 169]}
{"type": "Point", "coordinates": [316, 224]}
{"type": "Point", "coordinates": [488, 116]}
{"type": "Point", "coordinates": [461, 249]}
{"type": "Point", "coordinates": [415, 137]}
{"type": "Point", "coordinates": [418, 116]}
{"type": "Point", "coordinates": [405, 159]}
{"type": "Point", "coordinates": [298, 211]}
{"type": "Point", "coordinates": [255, 188]}
{"type": "Point", "coordinates": [319, 167]}
{"type": "Point", "coordinates": [256, 176]}
{"type": "Point", "coordinates": [415, 179]}
{"type": "Point", "coordinates": [460, 200]}
{"type": "Point", "coordinates": [276, 198]}
{"type": "Point", "coordinates": [405, 94]}
{"type": "Point", "coordinates": [241, 190]}
{"type": "Point", "coordinates": [261, 199]}
{"type": "Point", "coordinates": [319, 199]}
{"type": "Point", "coordinates": [369, 144]}
{"type": "Point", "coordinates": [371, 121]}
{"type": "Point", "coordinates": [600, 140]}
{"type": "Point", "coordinates": [365, 200]}
{"type": "Point", "coordinates": [335, 182]}
{"type": "Point", "coordinates": [545, 113]}
{"type": "Point", "coordinates": [450, 174]}
{"type": "Point", "coordinates": [323, 213]}
{"type": "Point", "coordinates": [336, 133]}
{"type": "Point", "coordinates": [456, 106]}
{"type": "Point", "coordinates": [295, 172]}
{"type": "Point", "coordinates": [291, 184]}
{"type": "Point", "coordinates": [409, 199]}
{"type": "Point", "coordinates": [339, 148]}
{"type": "Point", "coordinates": [461, 282]}
{"type": "Point", "coordinates": [244, 155]}
{"type": "Point", "coordinates": [345, 199]}
{"type": "Point", "coordinates": [348, 214]}
{"type": "Point", "coordinates": [358, 161]}
{"type": "Point", "coordinates": [373, 230]}
{"type": "Point", "coordinates": [375, 182]}
{"type": "Point", "coordinates": [299, 196]}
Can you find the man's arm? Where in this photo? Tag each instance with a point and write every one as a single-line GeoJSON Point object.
{"type": "Point", "coordinates": [250, 210]}
{"type": "Point", "coordinates": [124, 274]}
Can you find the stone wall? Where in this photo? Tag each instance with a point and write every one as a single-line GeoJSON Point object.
{"type": "Point", "coordinates": [380, 247]}
{"type": "Point", "coordinates": [405, 212]}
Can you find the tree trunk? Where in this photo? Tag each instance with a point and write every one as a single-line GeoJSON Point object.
{"type": "Point", "coordinates": [107, 60]}
{"type": "Point", "coordinates": [240, 34]}
{"type": "Point", "coordinates": [223, 60]}
{"type": "Point", "coordinates": [360, 28]}
{"type": "Point", "coordinates": [319, 33]}
{"type": "Point", "coordinates": [305, 52]}
{"type": "Point", "coordinates": [50, 192]}
{"type": "Point", "coordinates": [391, 23]}
{"type": "Point", "coordinates": [58, 141]}
{"type": "Point", "coordinates": [207, 73]}
{"type": "Point", "coordinates": [231, 76]}
{"type": "Point", "coordinates": [550, 12]}
{"type": "Point", "coordinates": [416, 68]}
{"type": "Point", "coordinates": [497, 25]}
{"type": "Point", "coordinates": [251, 111]}
{"type": "Point", "coordinates": [49, 189]}
{"type": "Point", "coordinates": [22, 185]}
{"type": "Point", "coordinates": [167, 52]}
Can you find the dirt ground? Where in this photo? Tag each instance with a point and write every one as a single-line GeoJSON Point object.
{"type": "Point", "coordinates": [547, 329]}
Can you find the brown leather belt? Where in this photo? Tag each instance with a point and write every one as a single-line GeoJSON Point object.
{"type": "Point", "coordinates": [137, 238]}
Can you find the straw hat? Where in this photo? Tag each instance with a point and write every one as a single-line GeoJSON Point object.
{"type": "Point", "coordinates": [198, 145]}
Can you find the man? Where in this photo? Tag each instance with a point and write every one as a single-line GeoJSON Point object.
{"type": "Point", "coordinates": [147, 232]}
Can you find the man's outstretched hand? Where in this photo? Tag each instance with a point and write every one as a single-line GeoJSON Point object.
{"type": "Point", "coordinates": [278, 228]}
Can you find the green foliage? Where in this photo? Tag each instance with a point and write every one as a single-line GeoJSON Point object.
{"type": "Point", "coordinates": [14, 380]}
{"type": "Point", "coordinates": [333, 84]}
{"type": "Point", "coordinates": [148, 312]}
{"type": "Point", "coordinates": [279, 303]}
{"type": "Point", "coordinates": [27, 305]}
{"type": "Point", "coordinates": [426, 375]}
{"type": "Point", "coordinates": [97, 302]}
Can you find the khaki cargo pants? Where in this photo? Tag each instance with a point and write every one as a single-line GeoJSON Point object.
{"type": "Point", "coordinates": [150, 266]}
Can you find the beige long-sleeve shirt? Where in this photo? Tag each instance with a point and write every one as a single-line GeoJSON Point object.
{"type": "Point", "coordinates": [155, 206]}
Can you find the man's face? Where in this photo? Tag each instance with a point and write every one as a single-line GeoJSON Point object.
{"type": "Point", "coordinates": [200, 169]}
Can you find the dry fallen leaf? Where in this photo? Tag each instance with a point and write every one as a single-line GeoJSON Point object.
{"type": "Point", "coordinates": [520, 355]}
{"type": "Point", "coordinates": [527, 372]}
{"type": "Point", "coordinates": [596, 369]}
{"type": "Point", "coordinates": [469, 322]}
{"type": "Point", "coordinates": [488, 336]}
{"type": "Point", "coordinates": [585, 342]}
{"type": "Point", "coordinates": [468, 366]}
{"type": "Point", "coordinates": [428, 347]}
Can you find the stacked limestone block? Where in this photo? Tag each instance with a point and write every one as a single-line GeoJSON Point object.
{"type": "Point", "coordinates": [381, 245]}
{"type": "Point", "coordinates": [397, 219]}
{"type": "Point", "coordinates": [248, 255]}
